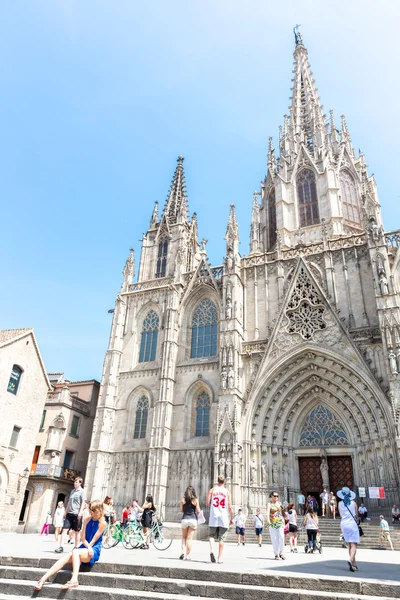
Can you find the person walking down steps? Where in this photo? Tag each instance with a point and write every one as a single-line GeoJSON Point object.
{"type": "Point", "coordinates": [240, 522]}
{"type": "Point", "coordinates": [276, 524]}
{"type": "Point", "coordinates": [259, 525]}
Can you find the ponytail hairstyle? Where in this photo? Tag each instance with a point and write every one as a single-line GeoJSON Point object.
{"type": "Point", "coordinates": [190, 494]}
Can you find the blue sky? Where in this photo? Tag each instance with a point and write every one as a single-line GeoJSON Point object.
{"type": "Point", "coordinates": [99, 98]}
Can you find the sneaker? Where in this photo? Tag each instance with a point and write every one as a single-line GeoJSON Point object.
{"type": "Point", "coordinates": [260, 545]}
{"type": "Point", "coordinates": [276, 557]}
{"type": "Point", "coordinates": [242, 543]}
{"type": "Point", "coordinates": [295, 550]}
{"type": "Point", "coordinates": [238, 543]}
{"type": "Point", "coordinates": [282, 556]}
{"type": "Point", "coordinates": [182, 556]}
{"type": "Point", "coordinates": [212, 557]}
{"type": "Point", "coordinates": [59, 550]}
{"type": "Point", "coordinates": [220, 561]}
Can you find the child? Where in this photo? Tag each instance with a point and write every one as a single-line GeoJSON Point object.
{"type": "Point", "coordinates": [58, 520]}
{"type": "Point", "coordinates": [87, 553]}
{"type": "Point", "coordinates": [46, 525]}
{"type": "Point", "coordinates": [258, 525]}
{"type": "Point", "coordinates": [125, 516]}
{"type": "Point", "coordinates": [240, 521]}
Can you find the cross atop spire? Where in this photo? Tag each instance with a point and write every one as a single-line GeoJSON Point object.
{"type": "Point", "coordinates": [176, 207]}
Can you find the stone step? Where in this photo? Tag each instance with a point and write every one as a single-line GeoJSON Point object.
{"type": "Point", "coordinates": [150, 581]}
{"type": "Point", "coordinates": [20, 589]}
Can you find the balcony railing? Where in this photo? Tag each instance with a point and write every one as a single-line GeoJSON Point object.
{"type": "Point", "coordinates": [54, 471]}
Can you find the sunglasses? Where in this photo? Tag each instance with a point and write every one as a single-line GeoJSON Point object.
{"type": "Point", "coordinates": [275, 495]}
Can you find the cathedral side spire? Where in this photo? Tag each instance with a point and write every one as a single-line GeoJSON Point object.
{"type": "Point", "coordinates": [255, 233]}
{"type": "Point", "coordinates": [129, 271]}
{"type": "Point", "coordinates": [176, 206]}
{"type": "Point", "coordinates": [154, 216]}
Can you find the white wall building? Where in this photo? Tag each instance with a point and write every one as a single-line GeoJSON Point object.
{"type": "Point", "coordinates": [61, 448]}
{"type": "Point", "coordinates": [279, 369]}
{"type": "Point", "coordinates": [23, 388]}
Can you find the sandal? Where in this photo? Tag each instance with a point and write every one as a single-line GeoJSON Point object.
{"type": "Point", "coordinates": [38, 586]}
{"type": "Point", "coordinates": [70, 585]}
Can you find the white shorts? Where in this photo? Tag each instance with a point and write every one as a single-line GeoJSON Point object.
{"type": "Point", "coordinates": [185, 523]}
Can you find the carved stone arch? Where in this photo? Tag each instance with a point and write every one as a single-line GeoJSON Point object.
{"type": "Point", "coordinates": [295, 376]}
{"type": "Point", "coordinates": [192, 393]}
{"type": "Point", "coordinates": [127, 415]}
{"type": "Point", "coordinates": [199, 293]}
{"type": "Point", "coordinates": [290, 413]}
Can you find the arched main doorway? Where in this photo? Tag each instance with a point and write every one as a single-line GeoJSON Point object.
{"type": "Point", "coordinates": [315, 408]}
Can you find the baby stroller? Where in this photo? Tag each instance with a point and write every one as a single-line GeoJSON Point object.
{"type": "Point", "coordinates": [319, 543]}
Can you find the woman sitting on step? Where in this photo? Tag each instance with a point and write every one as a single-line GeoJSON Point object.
{"type": "Point", "coordinates": [88, 552]}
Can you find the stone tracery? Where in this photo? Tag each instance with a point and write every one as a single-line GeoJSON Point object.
{"type": "Point", "coordinates": [322, 428]}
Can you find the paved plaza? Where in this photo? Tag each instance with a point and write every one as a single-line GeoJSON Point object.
{"type": "Point", "coordinates": [383, 565]}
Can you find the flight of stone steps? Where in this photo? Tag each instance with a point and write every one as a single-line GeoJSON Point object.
{"type": "Point", "coordinates": [331, 534]}
{"type": "Point", "coordinates": [111, 581]}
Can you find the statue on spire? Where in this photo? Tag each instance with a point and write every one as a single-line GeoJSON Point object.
{"type": "Point", "coordinates": [297, 35]}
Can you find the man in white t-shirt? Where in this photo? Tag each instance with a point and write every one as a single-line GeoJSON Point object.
{"type": "Point", "coordinates": [221, 516]}
{"type": "Point", "coordinates": [324, 501]}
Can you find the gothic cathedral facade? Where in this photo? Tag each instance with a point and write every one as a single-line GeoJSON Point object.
{"type": "Point", "coordinates": [279, 369]}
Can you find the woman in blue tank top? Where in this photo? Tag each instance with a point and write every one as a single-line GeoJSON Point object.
{"type": "Point", "coordinates": [88, 552]}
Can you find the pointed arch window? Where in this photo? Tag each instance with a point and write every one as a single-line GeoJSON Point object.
{"type": "Point", "coordinates": [142, 412]}
{"type": "Point", "coordinates": [322, 428]}
{"type": "Point", "coordinates": [203, 405]}
{"type": "Point", "coordinates": [162, 258]}
{"type": "Point", "coordinates": [148, 341]}
{"type": "Point", "coordinates": [307, 198]}
{"type": "Point", "coordinates": [271, 204]}
{"type": "Point", "coordinates": [350, 206]}
{"type": "Point", "coordinates": [204, 330]}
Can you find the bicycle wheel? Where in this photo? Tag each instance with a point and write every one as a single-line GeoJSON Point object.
{"type": "Point", "coordinates": [110, 537]}
{"type": "Point", "coordinates": [134, 536]}
{"type": "Point", "coordinates": [162, 538]}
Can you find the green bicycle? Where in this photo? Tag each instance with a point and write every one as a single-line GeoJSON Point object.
{"type": "Point", "coordinates": [160, 536]}
{"type": "Point", "coordinates": [113, 534]}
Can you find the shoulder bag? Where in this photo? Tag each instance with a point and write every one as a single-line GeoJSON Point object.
{"type": "Point", "coordinates": [360, 529]}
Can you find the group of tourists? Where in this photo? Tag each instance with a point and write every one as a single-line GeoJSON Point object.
{"type": "Point", "coordinates": [327, 501]}
{"type": "Point", "coordinates": [87, 521]}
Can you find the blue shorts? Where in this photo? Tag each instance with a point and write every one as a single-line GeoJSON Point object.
{"type": "Point", "coordinates": [259, 530]}
{"type": "Point", "coordinates": [95, 557]}
{"type": "Point", "coordinates": [240, 531]}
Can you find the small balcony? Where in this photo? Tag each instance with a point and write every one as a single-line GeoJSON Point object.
{"type": "Point", "coordinates": [54, 472]}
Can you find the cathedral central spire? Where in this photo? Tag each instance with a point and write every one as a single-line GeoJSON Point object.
{"type": "Point", "coordinates": [306, 110]}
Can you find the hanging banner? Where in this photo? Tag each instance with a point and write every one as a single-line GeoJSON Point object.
{"type": "Point", "coordinates": [376, 492]}
{"type": "Point", "coordinates": [361, 492]}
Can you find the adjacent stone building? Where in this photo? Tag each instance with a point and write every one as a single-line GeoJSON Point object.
{"type": "Point", "coordinates": [23, 388]}
{"type": "Point", "coordinates": [279, 369]}
{"type": "Point", "coordinates": [61, 450]}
